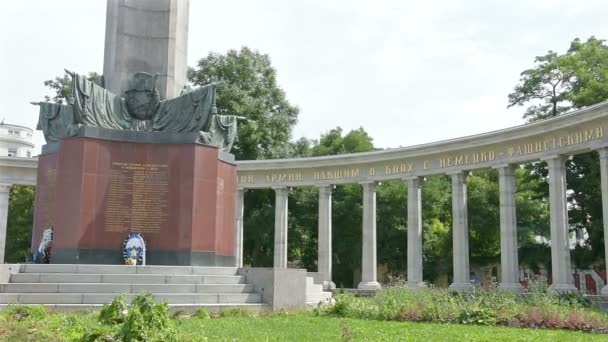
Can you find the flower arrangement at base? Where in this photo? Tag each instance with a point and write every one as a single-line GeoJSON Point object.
{"type": "Point", "coordinates": [43, 254]}
{"type": "Point", "coordinates": [134, 250]}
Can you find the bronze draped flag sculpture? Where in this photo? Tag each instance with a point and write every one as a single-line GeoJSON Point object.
{"type": "Point", "coordinates": [139, 110]}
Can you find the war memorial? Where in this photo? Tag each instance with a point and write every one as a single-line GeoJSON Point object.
{"type": "Point", "coordinates": [142, 153]}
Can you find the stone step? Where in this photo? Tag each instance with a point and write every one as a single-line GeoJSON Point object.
{"type": "Point", "coordinates": [126, 269]}
{"type": "Point", "coordinates": [125, 278]}
{"type": "Point", "coordinates": [103, 298]}
{"type": "Point", "coordinates": [314, 288]}
{"type": "Point", "coordinates": [123, 288]}
{"type": "Point", "coordinates": [173, 308]}
{"type": "Point", "coordinates": [319, 297]}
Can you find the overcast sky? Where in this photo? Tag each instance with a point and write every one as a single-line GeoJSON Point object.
{"type": "Point", "coordinates": [409, 72]}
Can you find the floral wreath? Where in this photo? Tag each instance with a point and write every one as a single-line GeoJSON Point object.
{"type": "Point", "coordinates": [43, 254]}
{"type": "Point", "coordinates": [134, 250]}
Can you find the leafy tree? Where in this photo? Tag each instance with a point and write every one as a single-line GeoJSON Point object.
{"type": "Point", "coordinates": [20, 223]}
{"type": "Point", "coordinates": [62, 86]}
{"type": "Point", "coordinates": [250, 89]}
{"type": "Point", "coordinates": [563, 82]}
{"type": "Point", "coordinates": [560, 83]}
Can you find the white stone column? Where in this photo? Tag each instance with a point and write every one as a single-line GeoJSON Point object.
{"type": "Point", "coordinates": [561, 271]}
{"type": "Point", "coordinates": [238, 234]}
{"type": "Point", "coordinates": [280, 227]}
{"type": "Point", "coordinates": [324, 239]}
{"type": "Point", "coordinates": [4, 195]}
{"type": "Point", "coordinates": [604, 187]}
{"type": "Point", "coordinates": [509, 263]}
{"type": "Point", "coordinates": [414, 233]}
{"type": "Point", "coordinates": [460, 230]}
{"type": "Point", "coordinates": [368, 253]}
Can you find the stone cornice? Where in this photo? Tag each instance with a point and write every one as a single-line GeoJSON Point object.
{"type": "Point", "coordinates": [576, 132]}
{"type": "Point", "coordinates": [591, 113]}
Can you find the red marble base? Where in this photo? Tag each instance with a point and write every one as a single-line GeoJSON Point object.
{"type": "Point", "coordinates": [94, 192]}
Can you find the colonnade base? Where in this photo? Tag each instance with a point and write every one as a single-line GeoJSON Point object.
{"type": "Point", "coordinates": [369, 285]}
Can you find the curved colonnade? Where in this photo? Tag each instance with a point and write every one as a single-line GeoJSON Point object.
{"type": "Point", "coordinates": [552, 140]}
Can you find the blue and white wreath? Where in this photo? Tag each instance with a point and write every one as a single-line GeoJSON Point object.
{"type": "Point", "coordinates": [43, 254]}
{"type": "Point", "coordinates": [134, 250]}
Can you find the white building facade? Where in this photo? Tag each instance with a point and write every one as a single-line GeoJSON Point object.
{"type": "Point", "coordinates": [16, 141]}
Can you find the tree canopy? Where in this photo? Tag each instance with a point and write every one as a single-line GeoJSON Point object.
{"type": "Point", "coordinates": [250, 89]}
{"type": "Point", "coordinates": [559, 83]}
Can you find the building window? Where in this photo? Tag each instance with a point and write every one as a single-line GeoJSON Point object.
{"type": "Point", "coordinates": [10, 131]}
{"type": "Point", "coordinates": [29, 154]}
{"type": "Point", "coordinates": [12, 152]}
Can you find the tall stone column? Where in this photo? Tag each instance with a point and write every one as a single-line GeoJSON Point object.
{"type": "Point", "coordinates": [414, 233]}
{"type": "Point", "coordinates": [560, 245]}
{"type": "Point", "coordinates": [324, 244]}
{"type": "Point", "coordinates": [368, 254]}
{"type": "Point", "coordinates": [238, 234]}
{"type": "Point", "coordinates": [604, 187]}
{"type": "Point", "coordinates": [280, 227]}
{"type": "Point", "coordinates": [4, 194]}
{"type": "Point", "coordinates": [509, 263]}
{"type": "Point", "coordinates": [460, 230]}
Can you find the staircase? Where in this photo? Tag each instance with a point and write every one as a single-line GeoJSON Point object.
{"type": "Point", "coordinates": [315, 295]}
{"type": "Point", "coordinates": [78, 287]}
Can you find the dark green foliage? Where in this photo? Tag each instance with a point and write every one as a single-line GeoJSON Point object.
{"type": "Point", "coordinates": [250, 89]}
{"type": "Point", "coordinates": [573, 299]}
{"type": "Point", "coordinates": [564, 82]}
{"type": "Point", "coordinates": [62, 86]}
{"type": "Point", "coordinates": [20, 223]}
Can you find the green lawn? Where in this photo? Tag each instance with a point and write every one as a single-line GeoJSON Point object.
{"type": "Point", "coordinates": [310, 328]}
{"type": "Point", "coordinates": [291, 327]}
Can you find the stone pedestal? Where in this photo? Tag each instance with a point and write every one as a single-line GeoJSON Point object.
{"type": "Point", "coordinates": [94, 192]}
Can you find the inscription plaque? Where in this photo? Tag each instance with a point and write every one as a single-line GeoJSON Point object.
{"type": "Point", "coordinates": [137, 197]}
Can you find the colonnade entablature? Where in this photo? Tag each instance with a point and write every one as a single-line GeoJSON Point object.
{"type": "Point", "coordinates": [569, 134]}
{"type": "Point", "coordinates": [552, 140]}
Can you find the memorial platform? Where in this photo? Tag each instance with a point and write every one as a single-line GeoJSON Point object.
{"type": "Point", "coordinates": [75, 287]}
{"type": "Point", "coordinates": [96, 188]}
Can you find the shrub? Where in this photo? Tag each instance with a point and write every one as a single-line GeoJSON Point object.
{"type": "Point", "coordinates": [115, 312]}
{"type": "Point", "coordinates": [573, 299]}
{"type": "Point", "coordinates": [487, 307]}
{"type": "Point", "coordinates": [147, 321]}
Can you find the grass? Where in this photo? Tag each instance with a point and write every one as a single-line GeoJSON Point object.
{"type": "Point", "coordinates": [284, 327]}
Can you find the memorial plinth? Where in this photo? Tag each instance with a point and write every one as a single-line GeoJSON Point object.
{"type": "Point", "coordinates": [99, 186]}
